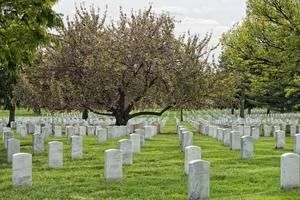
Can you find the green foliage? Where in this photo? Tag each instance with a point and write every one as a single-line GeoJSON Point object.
{"type": "Point", "coordinates": [265, 49]}
{"type": "Point", "coordinates": [23, 28]}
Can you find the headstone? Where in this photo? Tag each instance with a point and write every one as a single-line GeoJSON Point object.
{"type": "Point", "coordinates": [275, 128]}
{"type": "Point", "coordinates": [77, 147]}
{"type": "Point", "coordinates": [70, 131]}
{"type": "Point", "coordinates": [198, 180]}
{"type": "Point", "coordinates": [241, 130]}
{"type": "Point", "coordinates": [247, 130]}
{"type": "Point", "coordinates": [235, 142]}
{"type": "Point", "coordinates": [289, 170]}
{"type": "Point", "coordinates": [38, 143]}
{"type": "Point", "coordinates": [55, 154]}
{"type": "Point", "coordinates": [293, 130]}
{"type": "Point", "coordinates": [101, 135]}
{"type": "Point", "coordinates": [22, 169]}
{"type": "Point", "coordinates": [37, 129]}
{"type": "Point", "coordinates": [246, 147]}
{"type": "Point", "coordinates": [226, 137]}
{"type": "Point", "coordinates": [297, 144]}
{"type": "Point", "coordinates": [141, 132]}
{"type": "Point", "coordinates": [6, 136]}
{"type": "Point", "coordinates": [187, 139]}
{"type": "Point", "coordinates": [91, 130]}
{"type": "Point", "coordinates": [136, 144]}
{"type": "Point", "coordinates": [191, 153]}
{"type": "Point", "coordinates": [267, 130]}
{"type": "Point", "coordinates": [280, 139]}
{"type": "Point", "coordinates": [125, 146]}
{"type": "Point", "coordinates": [148, 132]}
{"type": "Point", "coordinates": [255, 133]}
{"type": "Point", "coordinates": [23, 131]}
{"type": "Point", "coordinates": [57, 131]}
{"type": "Point", "coordinates": [82, 130]}
{"type": "Point", "coordinates": [113, 165]}
{"type": "Point", "coordinates": [13, 146]}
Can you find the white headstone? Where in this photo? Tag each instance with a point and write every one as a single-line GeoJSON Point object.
{"type": "Point", "coordinates": [57, 131]}
{"type": "Point", "coordinates": [77, 147]}
{"type": "Point", "coordinates": [198, 180]}
{"type": "Point", "coordinates": [101, 135]}
{"type": "Point", "coordinates": [55, 154]}
{"type": "Point", "coordinates": [280, 139]}
{"type": "Point", "coordinates": [6, 136]}
{"type": "Point", "coordinates": [135, 138]}
{"type": "Point", "coordinates": [246, 147]}
{"type": "Point", "coordinates": [38, 143]}
{"type": "Point", "coordinates": [141, 132]}
{"type": "Point", "coordinates": [297, 144]}
{"type": "Point", "coordinates": [191, 153]}
{"type": "Point", "coordinates": [289, 170]}
{"type": "Point", "coordinates": [226, 137]}
{"type": "Point", "coordinates": [235, 141]}
{"type": "Point", "coordinates": [125, 146]}
{"type": "Point", "coordinates": [22, 169]}
{"type": "Point", "coordinates": [187, 139]}
{"type": "Point", "coordinates": [255, 133]}
{"type": "Point", "coordinates": [91, 130]}
{"type": "Point", "coordinates": [13, 146]}
{"type": "Point", "coordinates": [113, 165]}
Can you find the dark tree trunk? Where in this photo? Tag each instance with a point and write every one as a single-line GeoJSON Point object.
{"type": "Point", "coordinates": [37, 111]}
{"type": "Point", "coordinates": [85, 114]}
{"type": "Point", "coordinates": [121, 118]}
{"type": "Point", "coordinates": [242, 102]}
{"type": "Point", "coordinates": [249, 111]}
{"type": "Point", "coordinates": [12, 113]}
{"type": "Point", "coordinates": [268, 111]}
{"type": "Point", "coordinates": [232, 111]}
{"type": "Point", "coordinates": [181, 115]}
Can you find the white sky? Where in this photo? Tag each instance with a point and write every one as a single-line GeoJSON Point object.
{"type": "Point", "coordinates": [198, 16]}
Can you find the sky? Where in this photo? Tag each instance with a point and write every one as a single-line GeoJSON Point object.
{"type": "Point", "coordinates": [196, 16]}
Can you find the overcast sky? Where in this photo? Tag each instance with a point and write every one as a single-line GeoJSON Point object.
{"type": "Point", "coordinates": [198, 16]}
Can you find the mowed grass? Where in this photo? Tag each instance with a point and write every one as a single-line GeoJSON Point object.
{"type": "Point", "coordinates": [157, 172]}
{"type": "Point", "coordinates": [19, 112]}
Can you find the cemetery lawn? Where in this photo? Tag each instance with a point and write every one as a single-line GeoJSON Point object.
{"type": "Point", "coordinates": [19, 112]}
{"type": "Point", "coordinates": [157, 172]}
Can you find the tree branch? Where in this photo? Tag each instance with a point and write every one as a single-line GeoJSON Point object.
{"type": "Point", "coordinates": [149, 113]}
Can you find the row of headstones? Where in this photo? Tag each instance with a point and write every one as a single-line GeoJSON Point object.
{"type": "Point", "coordinates": [197, 170]}
{"type": "Point", "coordinates": [116, 158]}
{"type": "Point", "coordinates": [22, 162]}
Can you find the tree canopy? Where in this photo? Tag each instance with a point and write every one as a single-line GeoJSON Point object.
{"type": "Point", "coordinates": [132, 64]}
{"type": "Point", "coordinates": [264, 50]}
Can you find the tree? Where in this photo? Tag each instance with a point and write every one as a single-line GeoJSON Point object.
{"type": "Point", "coordinates": [23, 28]}
{"type": "Point", "coordinates": [265, 48]}
{"type": "Point", "coordinates": [133, 64]}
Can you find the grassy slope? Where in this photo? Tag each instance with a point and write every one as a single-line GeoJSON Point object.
{"type": "Point", "coordinates": [157, 172]}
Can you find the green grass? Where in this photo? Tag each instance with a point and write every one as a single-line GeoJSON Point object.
{"type": "Point", "coordinates": [19, 112]}
{"type": "Point", "coordinates": [157, 172]}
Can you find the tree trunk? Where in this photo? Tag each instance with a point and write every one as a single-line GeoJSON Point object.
{"type": "Point", "coordinates": [181, 115]}
{"type": "Point", "coordinates": [232, 111]}
{"type": "Point", "coordinates": [249, 111]}
{"type": "Point", "coordinates": [12, 113]}
{"type": "Point", "coordinates": [268, 111]}
{"type": "Point", "coordinates": [121, 118]}
{"type": "Point", "coordinates": [85, 114]}
{"type": "Point", "coordinates": [37, 111]}
{"type": "Point", "coordinates": [242, 102]}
